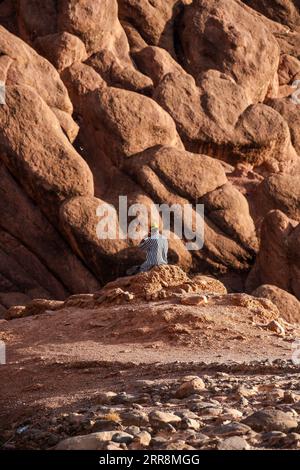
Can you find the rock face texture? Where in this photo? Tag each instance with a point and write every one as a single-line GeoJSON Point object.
{"type": "Point", "coordinates": [165, 102]}
{"type": "Point", "coordinates": [288, 305]}
{"type": "Point", "coordinates": [278, 260]}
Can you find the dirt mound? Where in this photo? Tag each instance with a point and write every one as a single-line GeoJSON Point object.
{"type": "Point", "coordinates": [162, 282]}
{"type": "Point", "coordinates": [163, 305]}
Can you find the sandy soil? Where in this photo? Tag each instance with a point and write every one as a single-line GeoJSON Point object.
{"type": "Point", "coordinates": [57, 359]}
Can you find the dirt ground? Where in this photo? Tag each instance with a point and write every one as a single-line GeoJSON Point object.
{"type": "Point", "coordinates": [61, 360]}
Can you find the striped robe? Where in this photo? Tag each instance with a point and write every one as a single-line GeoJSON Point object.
{"type": "Point", "coordinates": [156, 248]}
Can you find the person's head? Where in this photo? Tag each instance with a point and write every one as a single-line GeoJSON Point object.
{"type": "Point", "coordinates": [154, 228]}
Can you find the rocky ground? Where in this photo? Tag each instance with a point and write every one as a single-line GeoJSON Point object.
{"type": "Point", "coordinates": [164, 102]}
{"type": "Point", "coordinates": [190, 368]}
{"type": "Point", "coordinates": [247, 406]}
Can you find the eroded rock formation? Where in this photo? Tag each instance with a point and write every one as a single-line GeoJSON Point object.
{"type": "Point", "coordinates": [171, 102]}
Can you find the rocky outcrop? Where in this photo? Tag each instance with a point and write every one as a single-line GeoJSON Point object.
{"type": "Point", "coordinates": [72, 31]}
{"type": "Point", "coordinates": [229, 209]}
{"type": "Point", "coordinates": [289, 69]}
{"type": "Point", "coordinates": [224, 124]}
{"type": "Point", "coordinates": [54, 170]}
{"type": "Point", "coordinates": [177, 103]}
{"type": "Point", "coordinates": [165, 102]}
{"type": "Point", "coordinates": [32, 257]}
{"type": "Point", "coordinates": [44, 170]}
{"type": "Point", "coordinates": [21, 65]}
{"type": "Point", "coordinates": [165, 174]}
{"type": "Point", "coordinates": [118, 75]}
{"type": "Point", "coordinates": [190, 176]}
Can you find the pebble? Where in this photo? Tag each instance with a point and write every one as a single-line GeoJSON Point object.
{"type": "Point", "coordinates": [188, 423]}
{"type": "Point", "coordinates": [276, 328]}
{"type": "Point", "coordinates": [93, 441]}
{"type": "Point", "coordinates": [179, 445]}
{"type": "Point", "coordinates": [105, 425]}
{"type": "Point", "coordinates": [104, 398]}
{"type": "Point", "coordinates": [271, 420]}
{"type": "Point", "coordinates": [231, 414]}
{"type": "Point", "coordinates": [187, 414]}
{"type": "Point", "coordinates": [246, 392]}
{"type": "Point", "coordinates": [113, 446]}
{"type": "Point", "coordinates": [208, 412]}
{"type": "Point", "coordinates": [134, 430]}
{"type": "Point", "coordinates": [233, 443]}
{"type": "Point", "coordinates": [231, 429]}
{"type": "Point", "coordinates": [248, 412]}
{"type": "Point", "coordinates": [272, 438]}
{"type": "Point", "coordinates": [160, 417]}
{"type": "Point", "coordinates": [134, 417]}
{"type": "Point", "coordinates": [122, 438]}
{"type": "Point", "coordinates": [198, 441]}
{"type": "Point", "coordinates": [190, 387]}
{"type": "Point", "coordinates": [143, 438]}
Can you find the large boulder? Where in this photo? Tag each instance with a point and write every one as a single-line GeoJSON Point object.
{"type": "Point", "coordinates": [156, 63]}
{"type": "Point", "coordinates": [48, 171]}
{"type": "Point", "coordinates": [229, 210]}
{"type": "Point", "coordinates": [36, 18]}
{"type": "Point", "coordinates": [128, 123]}
{"type": "Point", "coordinates": [282, 11]}
{"type": "Point", "coordinates": [289, 42]}
{"type": "Point", "coordinates": [28, 68]}
{"type": "Point", "coordinates": [37, 152]}
{"type": "Point", "coordinates": [95, 22]}
{"type": "Point", "coordinates": [61, 49]}
{"type": "Point", "coordinates": [278, 262]}
{"type": "Point", "coordinates": [153, 20]}
{"type": "Point", "coordinates": [290, 112]}
{"type": "Point", "coordinates": [293, 253]}
{"type": "Point", "coordinates": [79, 221]}
{"type": "Point", "coordinates": [80, 79]}
{"type": "Point", "coordinates": [280, 192]}
{"type": "Point", "coordinates": [73, 30]}
{"type": "Point", "coordinates": [223, 35]}
{"type": "Point", "coordinates": [34, 256]}
{"type": "Point", "coordinates": [21, 65]}
{"type": "Point", "coordinates": [289, 69]}
{"type": "Point", "coordinates": [118, 74]}
{"type": "Point", "coordinates": [287, 304]}
{"type": "Point", "coordinates": [196, 109]}
{"type": "Point", "coordinates": [189, 175]}
{"type": "Point", "coordinates": [135, 40]}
